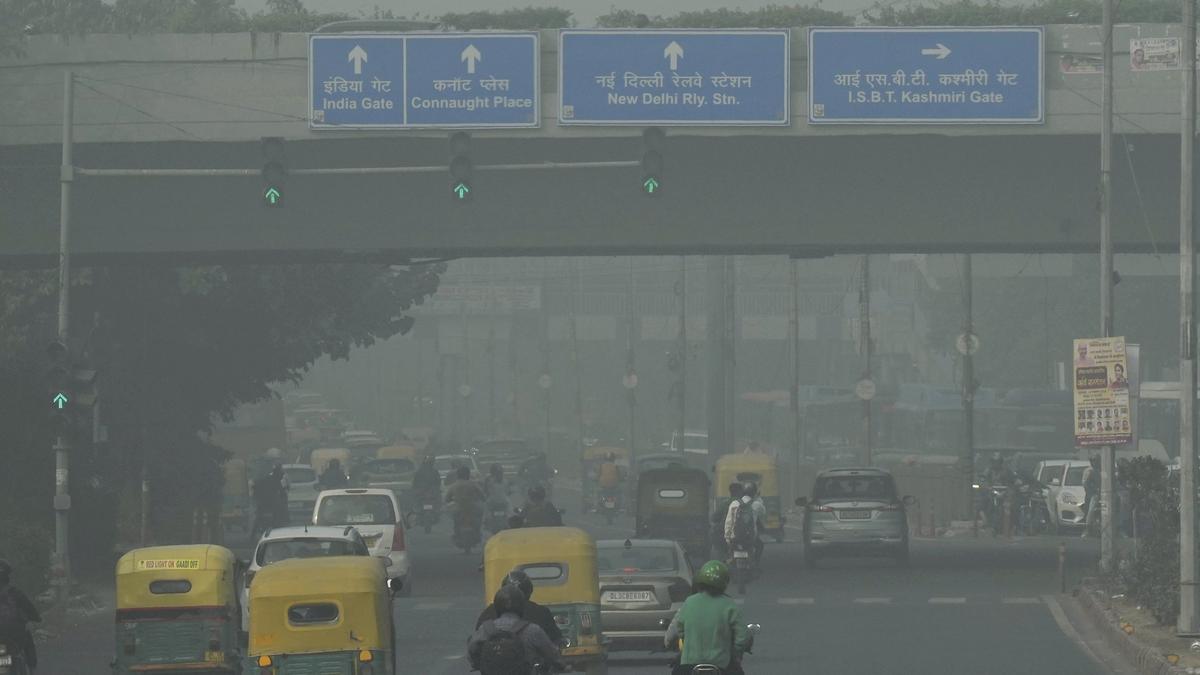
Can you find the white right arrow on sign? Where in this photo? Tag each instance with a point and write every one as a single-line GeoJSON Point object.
{"type": "Point", "coordinates": [941, 51]}
{"type": "Point", "coordinates": [673, 52]}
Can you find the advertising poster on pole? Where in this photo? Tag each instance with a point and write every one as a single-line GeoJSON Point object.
{"type": "Point", "coordinates": [1102, 414]}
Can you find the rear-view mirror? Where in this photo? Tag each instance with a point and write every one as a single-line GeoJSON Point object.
{"type": "Point", "coordinates": [394, 585]}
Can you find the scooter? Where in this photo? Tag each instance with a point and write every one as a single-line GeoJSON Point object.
{"type": "Point", "coordinates": [711, 669]}
{"type": "Point", "coordinates": [497, 516]}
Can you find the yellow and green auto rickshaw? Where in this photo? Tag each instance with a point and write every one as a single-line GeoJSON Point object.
{"type": "Point", "coordinates": [236, 510]}
{"type": "Point", "coordinates": [177, 611]}
{"type": "Point", "coordinates": [589, 472]}
{"type": "Point", "coordinates": [321, 615]}
{"type": "Point", "coordinates": [760, 469]}
{"type": "Point", "coordinates": [561, 562]}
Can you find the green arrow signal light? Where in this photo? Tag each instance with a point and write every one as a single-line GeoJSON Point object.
{"type": "Point", "coordinates": [273, 197]}
{"type": "Point", "coordinates": [650, 186]}
{"type": "Point", "coordinates": [60, 400]}
{"type": "Point", "coordinates": [462, 191]}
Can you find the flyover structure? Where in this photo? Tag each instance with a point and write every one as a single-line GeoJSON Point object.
{"type": "Point", "coordinates": [811, 186]}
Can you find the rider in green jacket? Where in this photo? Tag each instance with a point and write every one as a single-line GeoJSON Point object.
{"type": "Point", "coordinates": [710, 625]}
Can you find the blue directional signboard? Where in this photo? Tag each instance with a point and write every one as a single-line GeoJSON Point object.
{"type": "Point", "coordinates": [925, 76]}
{"type": "Point", "coordinates": [416, 80]}
{"type": "Point", "coordinates": [701, 77]}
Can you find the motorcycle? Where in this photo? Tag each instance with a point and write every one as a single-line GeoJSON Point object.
{"type": "Point", "coordinates": [743, 565]}
{"type": "Point", "coordinates": [710, 669]}
{"type": "Point", "coordinates": [12, 659]}
{"type": "Point", "coordinates": [608, 506]}
{"type": "Point", "coordinates": [497, 516]}
{"type": "Point", "coordinates": [1033, 516]}
{"type": "Point", "coordinates": [467, 531]}
{"type": "Point", "coordinates": [429, 514]}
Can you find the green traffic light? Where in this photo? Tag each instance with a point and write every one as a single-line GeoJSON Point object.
{"type": "Point", "coordinates": [60, 400]}
{"type": "Point", "coordinates": [650, 185]}
{"type": "Point", "coordinates": [273, 196]}
{"type": "Point", "coordinates": [461, 191]}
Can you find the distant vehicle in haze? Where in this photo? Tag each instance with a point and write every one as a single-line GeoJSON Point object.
{"type": "Point", "coordinates": [693, 442]}
{"type": "Point", "coordinates": [855, 511]}
{"type": "Point", "coordinates": [509, 453]}
{"type": "Point", "coordinates": [445, 463]}
{"type": "Point", "coordinates": [1068, 508]}
{"type": "Point", "coordinates": [302, 491]}
{"type": "Point", "coordinates": [299, 398]}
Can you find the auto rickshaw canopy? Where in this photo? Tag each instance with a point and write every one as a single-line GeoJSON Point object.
{"type": "Point", "coordinates": [743, 467]}
{"type": "Point", "coordinates": [561, 562]}
{"type": "Point", "coordinates": [199, 575]}
{"type": "Point", "coordinates": [314, 605]}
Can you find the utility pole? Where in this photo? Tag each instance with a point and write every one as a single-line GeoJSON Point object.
{"type": "Point", "coordinates": [491, 357]}
{"type": "Point", "coordinates": [967, 348]}
{"type": "Point", "coordinates": [513, 376]}
{"type": "Point", "coordinates": [797, 432]}
{"type": "Point", "coordinates": [62, 440]}
{"type": "Point", "coordinates": [683, 352]}
{"type": "Point", "coordinates": [716, 389]}
{"type": "Point", "coordinates": [864, 330]}
{"type": "Point", "coordinates": [729, 351]}
{"type": "Point", "coordinates": [1108, 528]}
{"type": "Point", "coordinates": [544, 381]}
{"type": "Point", "coordinates": [574, 326]}
{"type": "Point", "coordinates": [1189, 592]}
{"type": "Point", "coordinates": [630, 368]}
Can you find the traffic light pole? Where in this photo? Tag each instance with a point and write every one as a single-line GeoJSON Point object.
{"type": "Point", "coordinates": [62, 443]}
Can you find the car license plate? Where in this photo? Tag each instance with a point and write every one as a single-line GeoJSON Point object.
{"type": "Point", "coordinates": [860, 514]}
{"type": "Point", "coordinates": [741, 554]}
{"type": "Point", "coordinates": [5, 660]}
{"type": "Point", "coordinates": [214, 657]}
{"type": "Point", "coordinates": [428, 507]}
{"type": "Point", "coordinates": [629, 596]}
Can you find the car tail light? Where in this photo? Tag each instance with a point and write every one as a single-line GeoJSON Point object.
{"type": "Point", "coordinates": [562, 619]}
{"type": "Point", "coordinates": [892, 507]}
{"type": "Point", "coordinates": [824, 509]}
{"type": "Point", "coordinates": [398, 538]}
{"type": "Point", "coordinates": [585, 623]}
{"type": "Point", "coordinates": [680, 590]}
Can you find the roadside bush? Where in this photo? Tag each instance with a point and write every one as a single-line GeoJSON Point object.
{"type": "Point", "coordinates": [27, 547]}
{"type": "Point", "coordinates": [1151, 578]}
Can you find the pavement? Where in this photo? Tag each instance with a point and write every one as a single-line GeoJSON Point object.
{"type": "Point", "coordinates": [965, 605]}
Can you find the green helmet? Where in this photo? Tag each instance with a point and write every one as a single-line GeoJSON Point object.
{"type": "Point", "coordinates": [714, 574]}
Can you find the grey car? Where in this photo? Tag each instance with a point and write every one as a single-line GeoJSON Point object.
{"type": "Point", "coordinates": [855, 512]}
{"type": "Point", "coordinates": [643, 582]}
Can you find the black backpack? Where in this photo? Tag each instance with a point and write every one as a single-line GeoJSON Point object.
{"type": "Point", "coordinates": [745, 531]}
{"type": "Point", "coordinates": [503, 653]}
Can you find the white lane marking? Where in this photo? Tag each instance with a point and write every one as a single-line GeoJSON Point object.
{"type": "Point", "coordinates": [1064, 624]}
{"type": "Point", "coordinates": [873, 601]}
{"type": "Point", "coordinates": [1020, 601]}
{"type": "Point", "coordinates": [434, 605]}
{"type": "Point", "coordinates": [796, 601]}
{"type": "Point", "coordinates": [947, 601]}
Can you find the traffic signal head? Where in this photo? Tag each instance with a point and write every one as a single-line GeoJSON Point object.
{"type": "Point", "coordinates": [273, 172]}
{"type": "Point", "coordinates": [461, 168]}
{"type": "Point", "coordinates": [653, 140]}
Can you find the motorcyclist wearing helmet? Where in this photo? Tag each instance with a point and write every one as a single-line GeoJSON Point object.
{"type": "Point", "coordinates": [15, 614]}
{"type": "Point", "coordinates": [427, 483]}
{"type": "Point", "coordinates": [509, 603]}
{"type": "Point", "coordinates": [534, 612]}
{"type": "Point", "coordinates": [710, 625]}
{"type": "Point", "coordinates": [539, 511]}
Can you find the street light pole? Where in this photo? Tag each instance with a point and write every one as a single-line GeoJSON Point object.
{"type": "Point", "coordinates": [62, 441]}
{"type": "Point", "coordinates": [1108, 530]}
{"type": "Point", "coordinates": [1189, 591]}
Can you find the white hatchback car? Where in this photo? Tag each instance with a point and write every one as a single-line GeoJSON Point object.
{"type": "Point", "coordinates": [283, 543]}
{"type": "Point", "coordinates": [376, 514]}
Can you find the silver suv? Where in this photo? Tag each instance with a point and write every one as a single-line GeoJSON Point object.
{"type": "Point", "coordinates": [855, 512]}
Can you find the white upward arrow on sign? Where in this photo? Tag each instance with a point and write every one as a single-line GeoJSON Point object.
{"type": "Point", "coordinates": [941, 52]}
{"type": "Point", "coordinates": [471, 55]}
{"type": "Point", "coordinates": [359, 56]}
{"type": "Point", "coordinates": [673, 52]}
